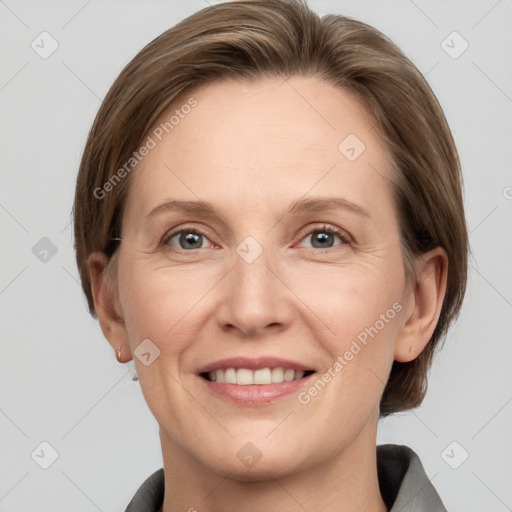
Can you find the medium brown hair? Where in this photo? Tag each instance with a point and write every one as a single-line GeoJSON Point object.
{"type": "Point", "coordinates": [254, 39]}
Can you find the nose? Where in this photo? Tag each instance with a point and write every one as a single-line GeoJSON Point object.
{"type": "Point", "coordinates": [256, 299]}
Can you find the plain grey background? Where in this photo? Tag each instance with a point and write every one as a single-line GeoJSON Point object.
{"type": "Point", "coordinates": [60, 382]}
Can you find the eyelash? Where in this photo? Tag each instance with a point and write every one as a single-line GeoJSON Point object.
{"type": "Point", "coordinates": [325, 228]}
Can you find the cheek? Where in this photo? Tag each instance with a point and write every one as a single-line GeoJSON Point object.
{"type": "Point", "coordinates": [161, 306]}
{"type": "Point", "coordinates": [347, 299]}
{"type": "Point", "coordinates": [159, 303]}
{"type": "Point", "coordinates": [357, 311]}
{"type": "Point", "coordinates": [362, 312]}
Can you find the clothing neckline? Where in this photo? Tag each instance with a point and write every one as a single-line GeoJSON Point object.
{"type": "Point", "coordinates": [403, 483]}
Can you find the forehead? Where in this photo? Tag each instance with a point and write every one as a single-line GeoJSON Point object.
{"type": "Point", "coordinates": [270, 140]}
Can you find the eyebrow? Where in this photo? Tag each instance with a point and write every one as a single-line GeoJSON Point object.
{"type": "Point", "coordinates": [315, 204]}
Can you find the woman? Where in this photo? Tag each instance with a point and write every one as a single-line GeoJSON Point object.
{"type": "Point", "coordinates": [269, 222]}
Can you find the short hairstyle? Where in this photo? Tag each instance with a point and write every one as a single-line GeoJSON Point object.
{"type": "Point", "coordinates": [256, 39]}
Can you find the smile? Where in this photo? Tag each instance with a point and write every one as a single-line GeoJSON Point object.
{"type": "Point", "coordinates": [254, 382]}
{"type": "Point", "coordinates": [263, 376]}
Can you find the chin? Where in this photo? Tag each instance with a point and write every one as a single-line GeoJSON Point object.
{"type": "Point", "coordinates": [265, 469]}
{"type": "Point", "coordinates": [259, 461]}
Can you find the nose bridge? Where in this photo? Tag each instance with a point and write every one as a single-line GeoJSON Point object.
{"type": "Point", "coordinates": [251, 267]}
{"type": "Point", "coordinates": [256, 296]}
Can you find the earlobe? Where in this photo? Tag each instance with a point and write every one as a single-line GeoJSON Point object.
{"type": "Point", "coordinates": [424, 304]}
{"type": "Point", "coordinates": [107, 306]}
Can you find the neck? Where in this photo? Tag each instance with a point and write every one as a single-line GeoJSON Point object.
{"type": "Point", "coordinates": [347, 481]}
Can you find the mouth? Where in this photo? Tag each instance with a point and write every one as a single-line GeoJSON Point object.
{"type": "Point", "coordinates": [260, 377]}
{"type": "Point", "coordinates": [253, 382]}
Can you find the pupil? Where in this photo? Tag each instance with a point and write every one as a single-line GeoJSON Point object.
{"type": "Point", "coordinates": [322, 237]}
{"type": "Point", "coordinates": [191, 238]}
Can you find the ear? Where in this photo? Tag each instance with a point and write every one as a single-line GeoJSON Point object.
{"type": "Point", "coordinates": [106, 303]}
{"type": "Point", "coordinates": [423, 305]}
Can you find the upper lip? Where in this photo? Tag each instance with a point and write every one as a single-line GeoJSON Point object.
{"type": "Point", "coordinates": [253, 364]}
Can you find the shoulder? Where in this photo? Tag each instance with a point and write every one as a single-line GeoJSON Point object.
{"type": "Point", "coordinates": [150, 495]}
{"type": "Point", "coordinates": [404, 485]}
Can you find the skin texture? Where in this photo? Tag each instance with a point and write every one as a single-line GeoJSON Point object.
{"type": "Point", "coordinates": [251, 150]}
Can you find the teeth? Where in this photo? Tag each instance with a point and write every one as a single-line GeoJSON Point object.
{"type": "Point", "coordinates": [245, 377]}
{"type": "Point", "coordinates": [277, 375]}
{"type": "Point", "coordinates": [230, 376]}
{"type": "Point", "coordinates": [263, 376]}
{"type": "Point", "coordinates": [288, 375]}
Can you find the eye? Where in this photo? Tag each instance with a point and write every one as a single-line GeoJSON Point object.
{"type": "Point", "coordinates": [323, 237]}
{"type": "Point", "coordinates": [187, 239]}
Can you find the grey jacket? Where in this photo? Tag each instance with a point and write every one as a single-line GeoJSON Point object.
{"type": "Point", "coordinates": [403, 483]}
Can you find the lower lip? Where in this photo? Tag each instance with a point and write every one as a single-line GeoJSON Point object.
{"type": "Point", "coordinates": [255, 394]}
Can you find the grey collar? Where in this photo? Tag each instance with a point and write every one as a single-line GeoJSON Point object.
{"type": "Point", "coordinates": [404, 485]}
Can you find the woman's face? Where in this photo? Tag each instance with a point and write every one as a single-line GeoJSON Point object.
{"type": "Point", "coordinates": [298, 266]}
